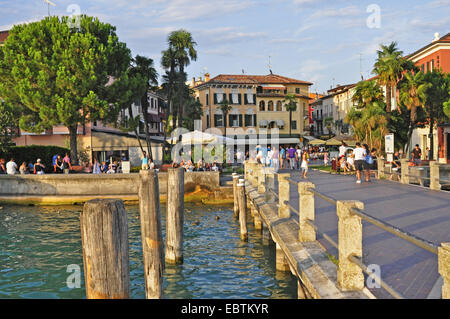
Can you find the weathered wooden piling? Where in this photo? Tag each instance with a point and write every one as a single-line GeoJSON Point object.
{"type": "Point", "coordinates": [175, 216]}
{"type": "Point", "coordinates": [242, 211]}
{"type": "Point", "coordinates": [104, 236]}
{"type": "Point", "coordinates": [152, 242]}
{"type": "Point", "coordinates": [235, 195]}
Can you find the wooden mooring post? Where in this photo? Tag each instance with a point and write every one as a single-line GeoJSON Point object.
{"type": "Point", "coordinates": [152, 242]}
{"type": "Point", "coordinates": [104, 236]}
{"type": "Point", "coordinates": [235, 195]}
{"type": "Point", "coordinates": [242, 211]}
{"type": "Point", "coordinates": [175, 216]}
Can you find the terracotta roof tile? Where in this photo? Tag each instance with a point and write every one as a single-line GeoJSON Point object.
{"type": "Point", "coordinates": [3, 35]}
{"type": "Point", "coordinates": [255, 79]}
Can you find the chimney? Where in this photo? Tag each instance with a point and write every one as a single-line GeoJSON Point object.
{"type": "Point", "coordinates": [206, 77]}
{"type": "Point", "coordinates": [436, 36]}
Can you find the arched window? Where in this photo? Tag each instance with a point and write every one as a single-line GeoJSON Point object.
{"type": "Point", "coordinates": [262, 106]}
{"type": "Point", "coordinates": [279, 106]}
{"type": "Point", "coordinates": [270, 106]}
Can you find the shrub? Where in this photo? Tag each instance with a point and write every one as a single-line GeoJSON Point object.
{"type": "Point", "coordinates": [32, 152]}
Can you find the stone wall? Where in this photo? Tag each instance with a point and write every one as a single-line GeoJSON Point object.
{"type": "Point", "coordinates": [95, 185]}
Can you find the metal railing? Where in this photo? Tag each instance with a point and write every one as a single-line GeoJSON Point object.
{"type": "Point", "coordinates": [419, 242]}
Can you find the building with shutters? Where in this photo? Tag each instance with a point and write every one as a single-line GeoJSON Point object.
{"type": "Point", "coordinates": [257, 104]}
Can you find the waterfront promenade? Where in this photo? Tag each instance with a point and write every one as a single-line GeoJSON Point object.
{"type": "Point", "coordinates": [408, 269]}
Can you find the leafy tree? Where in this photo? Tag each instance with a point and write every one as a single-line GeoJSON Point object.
{"type": "Point", "coordinates": [8, 124]}
{"type": "Point", "coordinates": [56, 74]}
{"type": "Point", "coordinates": [290, 101]}
{"type": "Point", "coordinates": [329, 124]}
{"type": "Point", "coordinates": [437, 93]}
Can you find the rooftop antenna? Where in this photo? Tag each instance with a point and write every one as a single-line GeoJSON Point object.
{"type": "Point", "coordinates": [360, 67]}
{"type": "Point", "coordinates": [48, 4]}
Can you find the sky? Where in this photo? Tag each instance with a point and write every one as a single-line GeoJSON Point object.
{"type": "Point", "coordinates": [326, 42]}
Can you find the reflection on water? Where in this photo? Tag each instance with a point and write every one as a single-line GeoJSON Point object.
{"type": "Point", "coordinates": [38, 243]}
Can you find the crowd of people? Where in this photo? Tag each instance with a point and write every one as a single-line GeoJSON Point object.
{"type": "Point", "coordinates": [11, 168]}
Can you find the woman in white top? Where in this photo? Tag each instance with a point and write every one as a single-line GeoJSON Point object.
{"type": "Point", "coordinates": [304, 164]}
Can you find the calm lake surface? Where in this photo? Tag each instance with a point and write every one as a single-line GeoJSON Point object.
{"type": "Point", "coordinates": [37, 244]}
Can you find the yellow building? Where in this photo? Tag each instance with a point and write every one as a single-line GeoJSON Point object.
{"type": "Point", "coordinates": [257, 103]}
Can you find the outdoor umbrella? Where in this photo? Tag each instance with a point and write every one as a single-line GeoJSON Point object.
{"type": "Point", "coordinates": [317, 142]}
{"type": "Point", "coordinates": [333, 142]}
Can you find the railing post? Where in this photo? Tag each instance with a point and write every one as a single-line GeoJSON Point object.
{"type": "Point", "coordinates": [283, 195]}
{"type": "Point", "coordinates": [444, 268]}
{"type": "Point", "coordinates": [175, 216]}
{"type": "Point", "coordinates": [380, 166]}
{"type": "Point", "coordinates": [405, 171]}
{"type": "Point", "coordinates": [306, 233]}
{"type": "Point", "coordinates": [261, 179]}
{"type": "Point", "coordinates": [104, 237]}
{"type": "Point", "coordinates": [350, 276]}
{"type": "Point", "coordinates": [242, 211]}
{"type": "Point", "coordinates": [151, 233]}
{"type": "Point", "coordinates": [235, 195]}
{"type": "Point", "coordinates": [270, 185]}
{"type": "Point", "coordinates": [255, 168]}
{"type": "Point", "coordinates": [434, 176]}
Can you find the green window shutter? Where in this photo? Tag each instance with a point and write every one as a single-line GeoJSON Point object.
{"type": "Point", "coordinates": [254, 119]}
{"type": "Point", "coordinates": [207, 99]}
{"type": "Point", "coordinates": [215, 99]}
{"type": "Point", "coordinates": [240, 120]}
{"type": "Point", "coordinates": [240, 99]}
{"type": "Point", "coordinates": [224, 96]}
{"type": "Point", "coordinates": [230, 98]}
{"type": "Point", "coordinates": [245, 99]}
{"type": "Point", "coordinates": [254, 99]}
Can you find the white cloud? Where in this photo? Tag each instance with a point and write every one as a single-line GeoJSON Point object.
{"type": "Point", "coordinates": [337, 12]}
{"type": "Point", "coordinates": [182, 10]}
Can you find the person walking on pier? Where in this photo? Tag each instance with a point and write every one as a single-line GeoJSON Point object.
{"type": "Point", "coordinates": [304, 165]}
{"type": "Point", "coordinates": [360, 161]}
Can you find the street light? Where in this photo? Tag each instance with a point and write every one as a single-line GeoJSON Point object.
{"type": "Point", "coordinates": [48, 4]}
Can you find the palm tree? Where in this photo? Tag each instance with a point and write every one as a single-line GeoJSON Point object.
{"type": "Point", "coordinates": [367, 92]}
{"type": "Point", "coordinates": [183, 47]}
{"type": "Point", "coordinates": [291, 106]}
{"type": "Point", "coordinates": [412, 95]}
{"type": "Point", "coordinates": [144, 67]}
{"type": "Point", "coordinates": [225, 106]}
{"type": "Point", "coordinates": [389, 67]}
{"type": "Point", "coordinates": [169, 63]}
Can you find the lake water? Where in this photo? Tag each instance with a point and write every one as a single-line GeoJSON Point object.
{"type": "Point", "coordinates": [38, 243]}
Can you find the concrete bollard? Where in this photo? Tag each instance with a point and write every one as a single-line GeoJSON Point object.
{"type": "Point", "coordinates": [235, 195]}
{"type": "Point", "coordinates": [380, 166]}
{"type": "Point", "coordinates": [242, 212]}
{"type": "Point", "coordinates": [283, 195]}
{"type": "Point", "coordinates": [256, 219]}
{"type": "Point", "coordinates": [104, 237]}
{"type": "Point", "coordinates": [255, 168]}
{"type": "Point", "coordinates": [404, 179]}
{"type": "Point", "coordinates": [444, 268]}
{"type": "Point", "coordinates": [261, 179]}
{"type": "Point", "coordinates": [306, 233]}
{"type": "Point", "coordinates": [434, 176]}
{"type": "Point", "coordinates": [281, 261]}
{"type": "Point", "coordinates": [350, 276]}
